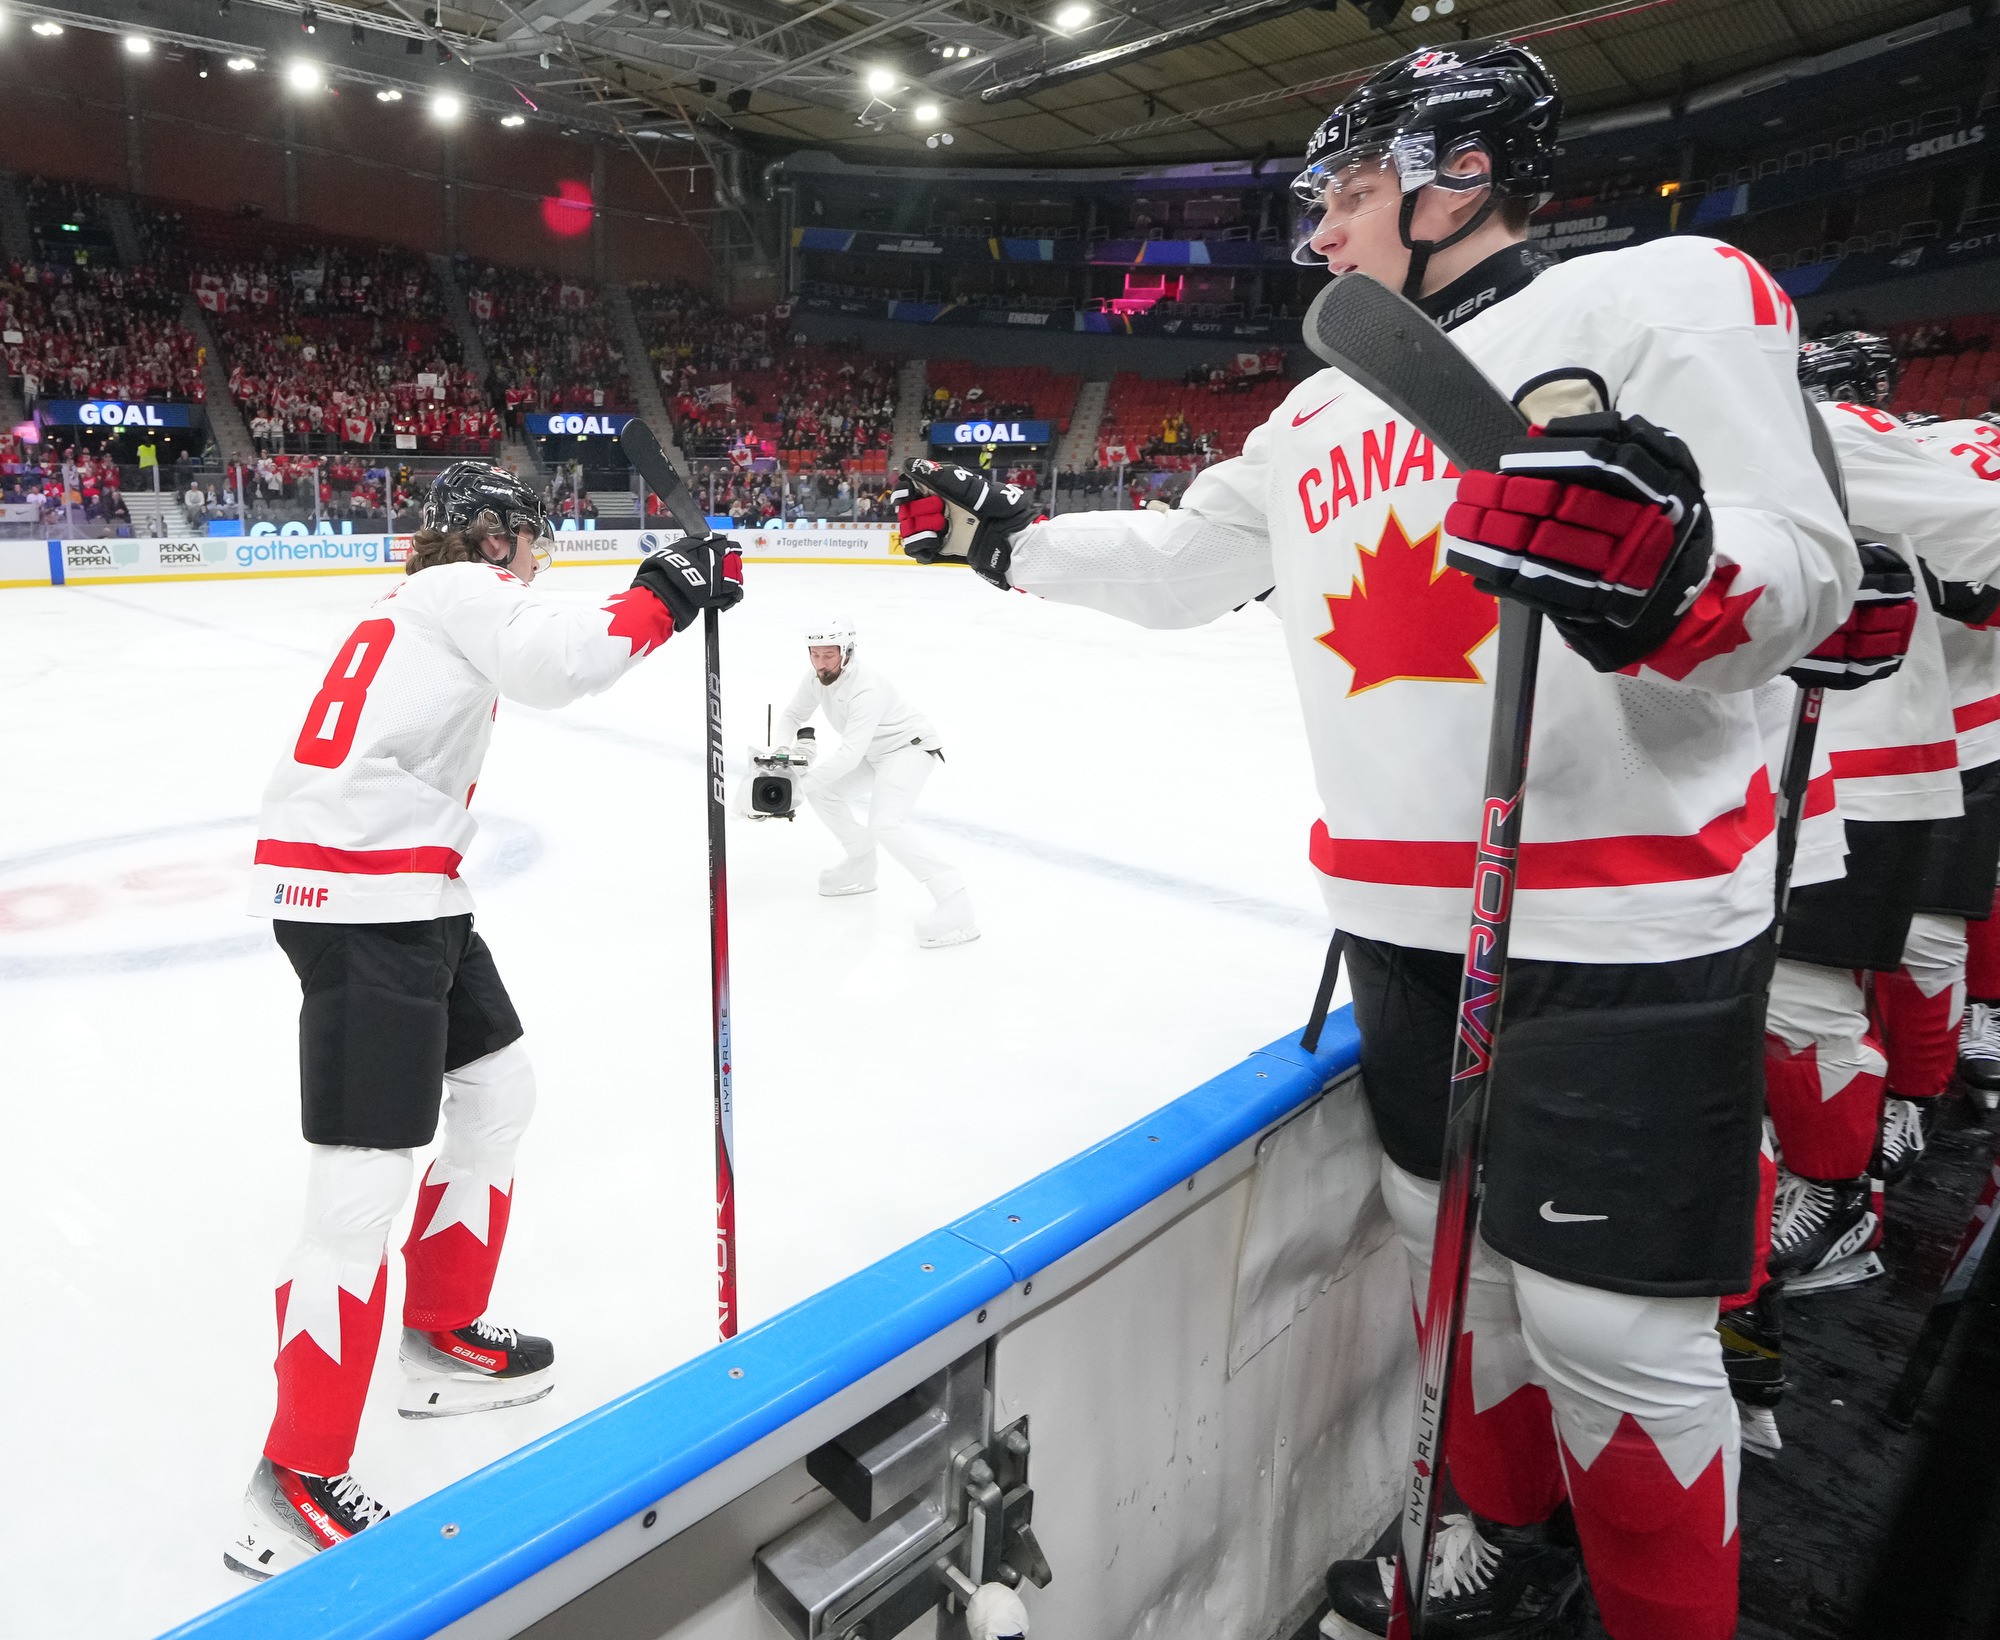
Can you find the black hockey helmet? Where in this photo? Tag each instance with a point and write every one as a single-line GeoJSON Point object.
{"type": "Point", "coordinates": [1424, 110]}
{"type": "Point", "coordinates": [466, 489]}
{"type": "Point", "coordinates": [1854, 367]}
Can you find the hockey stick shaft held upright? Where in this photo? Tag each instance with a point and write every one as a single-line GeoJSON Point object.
{"type": "Point", "coordinates": [1480, 997]}
{"type": "Point", "coordinates": [643, 449]}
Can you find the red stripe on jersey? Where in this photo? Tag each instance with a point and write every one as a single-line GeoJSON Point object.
{"type": "Point", "coordinates": [1586, 862]}
{"type": "Point", "coordinates": [1931, 759]}
{"type": "Point", "coordinates": [359, 862]}
{"type": "Point", "coordinates": [1819, 794]}
{"type": "Point", "coordinates": [1977, 715]}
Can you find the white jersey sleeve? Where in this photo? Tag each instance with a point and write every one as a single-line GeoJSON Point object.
{"type": "Point", "coordinates": [534, 652]}
{"type": "Point", "coordinates": [1897, 484]}
{"type": "Point", "coordinates": [1697, 338]}
{"type": "Point", "coordinates": [798, 710]}
{"type": "Point", "coordinates": [1163, 570]}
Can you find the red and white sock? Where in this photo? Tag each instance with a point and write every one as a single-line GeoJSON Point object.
{"type": "Point", "coordinates": [1823, 1071]}
{"type": "Point", "coordinates": [1921, 1004]}
{"type": "Point", "coordinates": [332, 1292]}
{"type": "Point", "coordinates": [1650, 1450]}
{"type": "Point", "coordinates": [1982, 955]}
{"type": "Point", "coordinates": [468, 1192]}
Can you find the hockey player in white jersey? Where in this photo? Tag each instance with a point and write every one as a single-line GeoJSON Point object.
{"type": "Point", "coordinates": [888, 751]}
{"type": "Point", "coordinates": [1670, 517]}
{"type": "Point", "coordinates": [1918, 786]}
{"type": "Point", "coordinates": [1972, 657]}
{"type": "Point", "coordinates": [364, 825]}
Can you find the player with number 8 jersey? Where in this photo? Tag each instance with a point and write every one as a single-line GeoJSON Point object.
{"type": "Point", "coordinates": [364, 825]}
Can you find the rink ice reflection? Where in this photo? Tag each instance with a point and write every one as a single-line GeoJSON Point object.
{"type": "Point", "coordinates": [1130, 810]}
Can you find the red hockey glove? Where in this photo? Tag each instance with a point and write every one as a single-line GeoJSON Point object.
{"type": "Point", "coordinates": [1873, 640]}
{"type": "Point", "coordinates": [1002, 512]}
{"type": "Point", "coordinates": [682, 576]}
{"type": "Point", "coordinates": [1599, 522]}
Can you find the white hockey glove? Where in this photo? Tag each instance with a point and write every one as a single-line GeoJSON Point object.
{"type": "Point", "coordinates": [930, 492]}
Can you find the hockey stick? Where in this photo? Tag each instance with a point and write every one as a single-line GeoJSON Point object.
{"type": "Point", "coordinates": [1796, 772]}
{"type": "Point", "coordinates": [642, 449]}
{"type": "Point", "coordinates": [1399, 355]}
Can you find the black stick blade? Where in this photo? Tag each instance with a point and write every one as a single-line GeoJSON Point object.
{"type": "Point", "coordinates": [643, 449]}
{"type": "Point", "coordinates": [1392, 348]}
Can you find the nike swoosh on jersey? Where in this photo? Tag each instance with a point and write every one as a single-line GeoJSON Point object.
{"type": "Point", "coordinates": [1549, 1212]}
{"type": "Point", "coordinates": [1300, 421]}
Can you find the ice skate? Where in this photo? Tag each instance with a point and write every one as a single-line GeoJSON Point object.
{"type": "Point", "coordinates": [1753, 1340]}
{"type": "Point", "coordinates": [1507, 1582]}
{"type": "Point", "coordinates": [950, 921]}
{"type": "Point", "coordinates": [1905, 1135]}
{"type": "Point", "coordinates": [1979, 1053]}
{"type": "Point", "coordinates": [1824, 1234]}
{"type": "Point", "coordinates": [289, 1518]}
{"type": "Point", "coordinates": [472, 1369]}
{"type": "Point", "coordinates": [854, 875]}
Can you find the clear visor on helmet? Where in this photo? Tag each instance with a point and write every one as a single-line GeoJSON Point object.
{"type": "Point", "coordinates": [1365, 178]}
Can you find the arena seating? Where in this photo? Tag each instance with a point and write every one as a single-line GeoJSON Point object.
{"type": "Point", "coordinates": [1028, 392]}
{"type": "Point", "coordinates": [1957, 370]}
{"type": "Point", "coordinates": [549, 340]}
{"type": "Point", "coordinates": [89, 332]}
{"type": "Point", "coordinates": [815, 408]}
{"type": "Point", "coordinates": [1171, 423]}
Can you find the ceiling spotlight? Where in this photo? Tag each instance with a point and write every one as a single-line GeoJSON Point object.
{"type": "Point", "coordinates": [202, 64]}
{"type": "Point", "coordinates": [1445, 8]}
{"type": "Point", "coordinates": [302, 74]}
{"type": "Point", "coordinates": [137, 45]}
{"type": "Point", "coordinates": [544, 59]}
{"type": "Point", "coordinates": [938, 139]}
{"type": "Point", "coordinates": [240, 65]}
{"type": "Point", "coordinates": [445, 108]}
{"type": "Point", "coordinates": [512, 120]}
{"type": "Point", "coordinates": [444, 53]}
{"type": "Point", "coordinates": [880, 80]}
{"type": "Point", "coordinates": [222, 8]}
{"type": "Point", "coordinates": [1072, 17]}
{"type": "Point", "coordinates": [926, 112]}
{"type": "Point", "coordinates": [355, 36]}
{"type": "Point", "coordinates": [739, 100]}
{"type": "Point", "coordinates": [48, 30]}
{"type": "Point", "coordinates": [309, 20]}
{"type": "Point", "coordinates": [391, 95]}
{"type": "Point", "coordinates": [1421, 14]}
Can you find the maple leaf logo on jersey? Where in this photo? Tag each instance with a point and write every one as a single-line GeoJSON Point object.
{"type": "Point", "coordinates": [1714, 626]}
{"type": "Point", "coordinates": [1407, 617]}
{"type": "Point", "coordinates": [639, 618]}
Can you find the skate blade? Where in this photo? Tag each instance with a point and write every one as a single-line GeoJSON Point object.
{"type": "Point", "coordinates": [1760, 1430]}
{"type": "Point", "coordinates": [436, 1397]}
{"type": "Point", "coordinates": [1335, 1627]}
{"type": "Point", "coordinates": [958, 936]}
{"type": "Point", "coordinates": [258, 1555]}
{"type": "Point", "coordinates": [1847, 1272]}
{"type": "Point", "coordinates": [842, 893]}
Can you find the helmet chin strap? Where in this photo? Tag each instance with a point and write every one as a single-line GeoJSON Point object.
{"type": "Point", "coordinates": [1422, 250]}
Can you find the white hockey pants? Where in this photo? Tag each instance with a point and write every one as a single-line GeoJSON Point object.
{"type": "Point", "coordinates": [892, 784]}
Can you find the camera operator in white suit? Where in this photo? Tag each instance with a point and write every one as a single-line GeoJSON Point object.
{"type": "Point", "coordinates": [887, 752]}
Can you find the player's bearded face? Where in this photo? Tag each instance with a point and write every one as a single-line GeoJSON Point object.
{"type": "Point", "coordinates": [826, 661]}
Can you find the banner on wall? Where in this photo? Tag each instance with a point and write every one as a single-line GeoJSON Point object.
{"type": "Point", "coordinates": [579, 423]}
{"type": "Point", "coordinates": [989, 432]}
{"type": "Point", "coordinates": [42, 563]}
{"type": "Point", "coordinates": [113, 413]}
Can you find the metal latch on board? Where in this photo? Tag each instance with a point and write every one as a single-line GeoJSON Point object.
{"type": "Point", "coordinates": [927, 1511]}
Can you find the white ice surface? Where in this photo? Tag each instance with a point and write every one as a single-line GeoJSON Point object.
{"type": "Point", "coordinates": [1131, 810]}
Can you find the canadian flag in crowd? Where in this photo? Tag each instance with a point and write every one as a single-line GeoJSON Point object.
{"type": "Point", "coordinates": [214, 300]}
{"type": "Point", "coordinates": [260, 295]}
{"type": "Point", "coordinates": [356, 430]}
{"type": "Point", "coordinates": [572, 296]}
{"type": "Point", "coordinates": [1248, 364]}
{"type": "Point", "coordinates": [1114, 456]}
{"type": "Point", "coordinates": [482, 305]}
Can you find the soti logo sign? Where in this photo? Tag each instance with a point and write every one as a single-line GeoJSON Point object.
{"type": "Point", "coordinates": [113, 413]}
{"type": "Point", "coordinates": [578, 423]}
{"type": "Point", "coordinates": [989, 432]}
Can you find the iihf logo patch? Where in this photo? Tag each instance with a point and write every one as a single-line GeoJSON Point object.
{"type": "Point", "coordinates": [1434, 62]}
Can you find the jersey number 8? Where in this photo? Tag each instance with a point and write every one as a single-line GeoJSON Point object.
{"type": "Point", "coordinates": [328, 735]}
